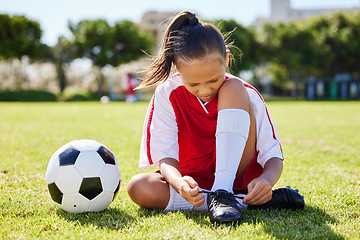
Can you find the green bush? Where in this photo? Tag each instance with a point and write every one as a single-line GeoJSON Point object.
{"type": "Point", "coordinates": [45, 96]}
{"type": "Point", "coordinates": [27, 96]}
{"type": "Point", "coordinates": [85, 96]}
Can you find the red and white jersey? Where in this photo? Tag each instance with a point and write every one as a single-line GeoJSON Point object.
{"type": "Point", "coordinates": [178, 125]}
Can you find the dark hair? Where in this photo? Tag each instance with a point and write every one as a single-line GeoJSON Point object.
{"type": "Point", "coordinates": [185, 39]}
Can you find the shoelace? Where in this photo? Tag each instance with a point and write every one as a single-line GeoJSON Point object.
{"type": "Point", "coordinates": [215, 193]}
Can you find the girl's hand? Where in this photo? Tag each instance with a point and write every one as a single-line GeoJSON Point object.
{"type": "Point", "coordinates": [259, 192]}
{"type": "Point", "coordinates": [189, 189]}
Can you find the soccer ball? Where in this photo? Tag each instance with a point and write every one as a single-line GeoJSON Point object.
{"type": "Point", "coordinates": [83, 176]}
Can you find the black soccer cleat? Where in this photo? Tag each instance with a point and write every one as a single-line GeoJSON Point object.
{"type": "Point", "coordinates": [223, 207]}
{"type": "Point", "coordinates": [283, 198]}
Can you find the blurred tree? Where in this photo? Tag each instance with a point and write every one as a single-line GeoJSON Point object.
{"type": "Point", "coordinates": [63, 52]}
{"type": "Point", "coordinates": [296, 48]}
{"type": "Point", "coordinates": [247, 51]}
{"type": "Point", "coordinates": [129, 42]}
{"type": "Point", "coordinates": [104, 44]}
{"type": "Point", "coordinates": [19, 36]}
{"type": "Point", "coordinates": [339, 35]}
{"type": "Point", "coordinates": [92, 40]}
{"type": "Point", "coordinates": [321, 46]}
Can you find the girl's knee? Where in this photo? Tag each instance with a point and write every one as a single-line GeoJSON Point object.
{"type": "Point", "coordinates": [136, 185]}
{"type": "Point", "coordinates": [233, 94]}
{"type": "Point", "coordinates": [148, 190]}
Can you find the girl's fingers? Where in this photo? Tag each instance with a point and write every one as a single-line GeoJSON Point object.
{"type": "Point", "coordinates": [192, 183]}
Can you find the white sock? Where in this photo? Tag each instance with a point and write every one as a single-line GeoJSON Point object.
{"type": "Point", "coordinates": [177, 202]}
{"type": "Point", "coordinates": [232, 131]}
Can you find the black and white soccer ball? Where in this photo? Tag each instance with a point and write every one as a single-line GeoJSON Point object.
{"type": "Point", "coordinates": [83, 176]}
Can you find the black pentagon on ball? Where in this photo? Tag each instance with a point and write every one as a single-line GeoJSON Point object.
{"type": "Point", "coordinates": [90, 187]}
{"type": "Point", "coordinates": [116, 190]}
{"type": "Point", "coordinates": [106, 155]}
{"type": "Point", "coordinates": [69, 156]}
{"type": "Point", "coordinates": [55, 193]}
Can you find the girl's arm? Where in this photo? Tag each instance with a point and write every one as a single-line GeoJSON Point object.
{"type": "Point", "coordinates": [259, 189]}
{"type": "Point", "coordinates": [186, 186]}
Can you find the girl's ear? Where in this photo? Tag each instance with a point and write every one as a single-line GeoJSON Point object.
{"type": "Point", "coordinates": [227, 58]}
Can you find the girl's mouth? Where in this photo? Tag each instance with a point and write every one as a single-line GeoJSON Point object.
{"type": "Point", "coordinates": [206, 98]}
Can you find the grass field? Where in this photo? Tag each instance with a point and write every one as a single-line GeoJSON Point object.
{"type": "Point", "coordinates": [320, 140]}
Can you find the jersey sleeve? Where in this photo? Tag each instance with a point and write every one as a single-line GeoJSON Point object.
{"type": "Point", "coordinates": [160, 131]}
{"type": "Point", "coordinates": [268, 142]}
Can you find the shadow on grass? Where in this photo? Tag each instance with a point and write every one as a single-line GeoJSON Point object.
{"type": "Point", "coordinates": [199, 217]}
{"type": "Point", "coordinates": [310, 223]}
{"type": "Point", "coordinates": [110, 218]}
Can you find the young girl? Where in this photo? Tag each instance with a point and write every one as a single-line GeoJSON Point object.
{"type": "Point", "coordinates": [208, 131]}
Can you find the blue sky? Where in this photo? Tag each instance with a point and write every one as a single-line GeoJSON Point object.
{"type": "Point", "coordinates": [53, 16]}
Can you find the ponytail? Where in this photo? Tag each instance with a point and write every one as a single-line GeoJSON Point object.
{"type": "Point", "coordinates": [185, 38]}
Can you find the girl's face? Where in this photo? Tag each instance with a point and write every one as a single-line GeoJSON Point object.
{"type": "Point", "coordinates": [203, 77]}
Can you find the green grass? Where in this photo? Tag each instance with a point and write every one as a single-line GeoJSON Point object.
{"type": "Point", "coordinates": [320, 141]}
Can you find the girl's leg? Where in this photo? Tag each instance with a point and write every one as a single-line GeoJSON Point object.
{"type": "Point", "coordinates": [235, 134]}
{"type": "Point", "coordinates": [250, 147]}
{"type": "Point", "coordinates": [149, 190]}
{"type": "Point", "coordinates": [232, 134]}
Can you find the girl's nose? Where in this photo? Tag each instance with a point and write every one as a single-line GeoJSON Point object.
{"type": "Point", "coordinates": [205, 91]}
